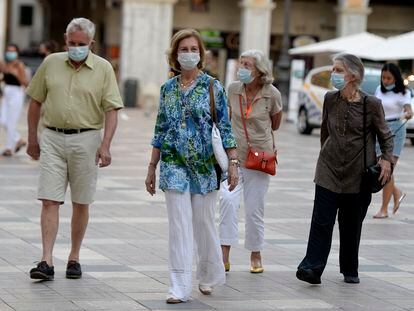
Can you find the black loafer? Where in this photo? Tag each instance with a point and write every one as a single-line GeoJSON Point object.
{"type": "Point", "coordinates": [351, 279]}
{"type": "Point", "coordinates": [42, 272]}
{"type": "Point", "coordinates": [308, 275]}
{"type": "Point", "coordinates": [73, 270]}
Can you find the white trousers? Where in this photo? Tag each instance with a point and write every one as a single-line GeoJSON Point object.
{"type": "Point", "coordinates": [11, 107]}
{"type": "Point", "coordinates": [191, 217]}
{"type": "Point", "coordinates": [254, 185]}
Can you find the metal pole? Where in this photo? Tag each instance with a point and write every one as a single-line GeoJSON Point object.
{"type": "Point", "coordinates": [283, 65]}
{"type": "Point", "coordinates": [3, 26]}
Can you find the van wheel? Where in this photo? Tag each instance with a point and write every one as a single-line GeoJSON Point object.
{"type": "Point", "coordinates": [412, 141]}
{"type": "Point", "coordinates": [303, 124]}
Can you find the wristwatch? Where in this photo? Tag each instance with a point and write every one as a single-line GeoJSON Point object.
{"type": "Point", "coordinates": [234, 162]}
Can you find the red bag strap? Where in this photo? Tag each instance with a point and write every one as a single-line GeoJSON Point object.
{"type": "Point", "coordinates": [245, 128]}
{"type": "Point", "coordinates": [243, 120]}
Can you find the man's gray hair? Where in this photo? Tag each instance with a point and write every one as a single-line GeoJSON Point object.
{"type": "Point", "coordinates": [82, 24]}
{"type": "Point", "coordinates": [352, 64]}
{"type": "Point", "coordinates": [262, 64]}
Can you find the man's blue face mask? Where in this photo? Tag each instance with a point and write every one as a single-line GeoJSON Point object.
{"type": "Point", "coordinates": [78, 53]}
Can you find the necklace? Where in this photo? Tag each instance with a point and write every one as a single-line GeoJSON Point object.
{"type": "Point", "coordinates": [187, 84]}
{"type": "Point", "coordinates": [342, 131]}
{"type": "Point", "coordinates": [351, 98]}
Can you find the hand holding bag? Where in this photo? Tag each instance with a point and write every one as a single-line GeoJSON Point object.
{"type": "Point", "coordinates": [257, 159]}
{"type": "Point", "coordinates": [218, 149]}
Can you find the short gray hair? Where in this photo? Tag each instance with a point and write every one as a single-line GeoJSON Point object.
{"type": "Point", "coordinates": [262, 64]}
{"type": "Point", "coordinates": [352, 64]}
{"type": "Point", "coordinates": [82, 24]}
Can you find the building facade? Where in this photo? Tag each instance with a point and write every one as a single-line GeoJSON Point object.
{"type": "Point", "coordinates": [135, 34]}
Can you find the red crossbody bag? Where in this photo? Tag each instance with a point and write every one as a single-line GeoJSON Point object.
{"type": "Point", "coordinates": [257, 159]}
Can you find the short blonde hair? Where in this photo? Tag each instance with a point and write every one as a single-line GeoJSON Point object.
{"type": "Point", "coordinates": [262, 65]}
{"type": "Point", "coordinates": [172, 53]}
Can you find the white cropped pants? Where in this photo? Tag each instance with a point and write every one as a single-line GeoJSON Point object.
{"type": "Point", "coordinates": [11, 107]}
{"type": "Point", "coordinates": [254, 185]}
{"type": "Point", "coordinates": [191, 218]}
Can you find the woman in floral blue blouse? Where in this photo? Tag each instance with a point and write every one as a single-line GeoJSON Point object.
{"type": "Point", "coordinates": [182, 142]}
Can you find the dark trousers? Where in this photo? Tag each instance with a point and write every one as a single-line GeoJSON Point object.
{"type": "Point", "coordinates": [352, 209]}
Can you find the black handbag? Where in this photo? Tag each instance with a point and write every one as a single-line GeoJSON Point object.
{"type": "Point", "coordinates": [371, 174]}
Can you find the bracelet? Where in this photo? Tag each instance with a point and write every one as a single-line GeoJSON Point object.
{"type": "Point", "coordinates": [152, 164]}
{"type": "Point", "coordinates": [234, 162]}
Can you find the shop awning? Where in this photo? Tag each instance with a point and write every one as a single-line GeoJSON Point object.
{"type": "Point", "coordinates": [342, 44]}
{"type": "Point", "coordinates": [393, 48]}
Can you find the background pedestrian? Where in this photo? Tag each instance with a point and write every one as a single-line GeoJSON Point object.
{"type": "Point", "coordinates": [396, 101]}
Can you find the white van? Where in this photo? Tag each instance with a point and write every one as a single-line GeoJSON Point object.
{"type": "Point", "coordinates": [316, 84]}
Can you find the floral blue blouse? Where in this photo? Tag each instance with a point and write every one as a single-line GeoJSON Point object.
{"type": "Point", "coordinates": [183, 135]}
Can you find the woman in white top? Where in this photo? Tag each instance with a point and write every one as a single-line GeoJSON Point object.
{"type": "Point", "coordinates": [396, 103]}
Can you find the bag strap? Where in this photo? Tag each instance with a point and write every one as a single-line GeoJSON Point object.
{"type": "Point", "coordinates": [245, 128]}
{"type": "Point", "coordinates": [213, 111]}
{"type": "Point", "coordinates": [244, 121]}
{"type": "Point", "coordinates": [364, 128]}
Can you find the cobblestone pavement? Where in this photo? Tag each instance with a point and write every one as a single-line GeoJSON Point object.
{"type": "Point", "coordinates": [124, 255]}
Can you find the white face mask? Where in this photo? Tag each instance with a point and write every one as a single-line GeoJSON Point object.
{"type": "Point", "coordinates": [188, 61]}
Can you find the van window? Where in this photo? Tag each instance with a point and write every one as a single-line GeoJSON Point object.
{"type": "Point", "coordinates": [322, 79]}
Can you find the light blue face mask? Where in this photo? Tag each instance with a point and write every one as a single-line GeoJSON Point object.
{"type": "Point", "coordinates": [389, 87]}
{"type": "Point", "coordinates": [244, 75]}
{"type": "Point", "coordinates": [338, 80]}
{"type": "Point", "coordinates": [78, 53]}
{"type": "Point", "coordinates": [10, 56]}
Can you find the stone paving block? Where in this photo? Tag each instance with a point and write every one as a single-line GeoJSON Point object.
{"type": "Point", "coordinates": [30, 294]}
{"type": "Point", "coordinates": [297, 304]}
{"type": "Point", "coordinates": [161, 305]}
{"type": "Point", "coordinates": [106, 268]}
{"type": "Point", "coordinates": [44, 306]}
{"type": "Point", "coordinates": [100, 292]}
{"type": "Point", "coordinates": [243, 305]}
{"type": "Point", "coordinates": [112, 305]}
{"type": "Point", "coordinates": [406, 303]}
{"type": "Point", "coordinates": [135, 285]}
{"type": "Point", "coordinates": [5, 307]}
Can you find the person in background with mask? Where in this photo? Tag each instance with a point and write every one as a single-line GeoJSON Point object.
{"type": "Point", "coordinates": [15, 80]}
{"type": "Point", "coordinates": [396, 101]}
{"type": "Point", "coordinates": [79, 96]}
{"type": "Point", "coordinates": [48, 47]}
{"type": "Point", "coordinates": [262, 108]}
{"type": "Point", "coordinates": [340, 167]}
{"type": "Point", "coordinates": [182, 143]}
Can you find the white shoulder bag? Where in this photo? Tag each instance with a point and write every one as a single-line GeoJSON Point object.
{"type": "Point", "coordinates": [218, 149]}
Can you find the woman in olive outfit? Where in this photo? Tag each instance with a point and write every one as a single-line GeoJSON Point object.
{"type": "Point", "coordinates": [340, 167]}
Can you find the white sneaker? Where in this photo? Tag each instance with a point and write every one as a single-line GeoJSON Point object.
{"type": "Point", "coordinates": [205, 289]}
